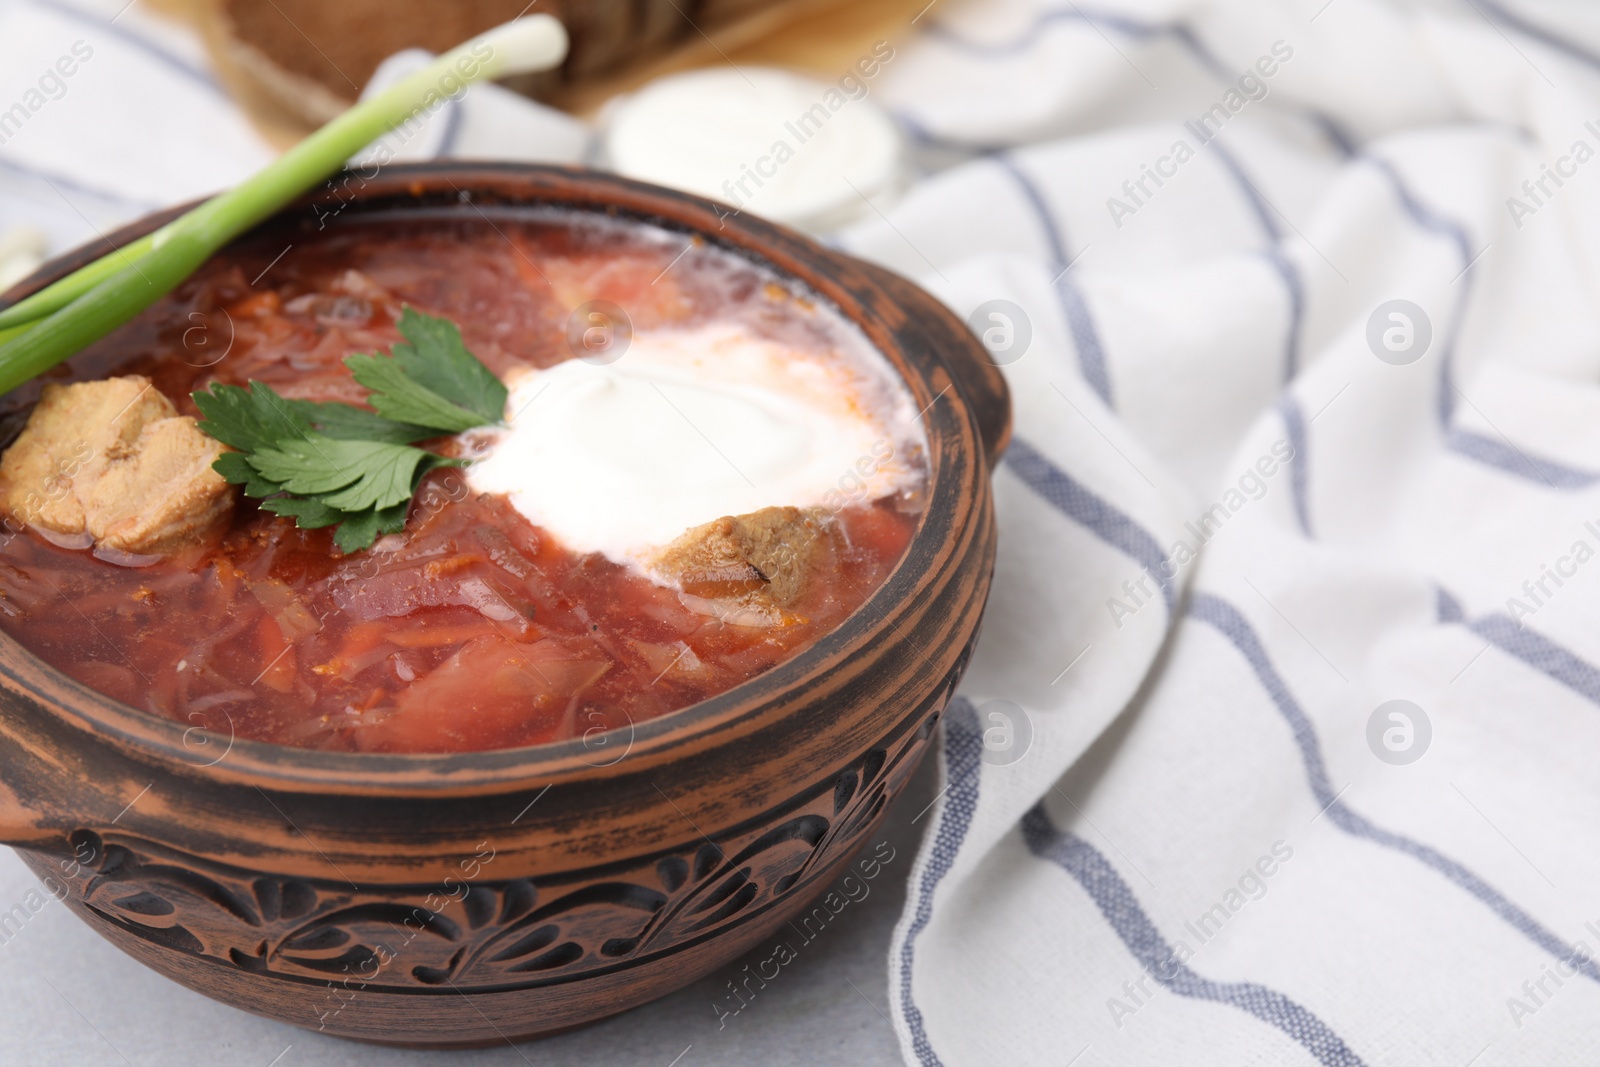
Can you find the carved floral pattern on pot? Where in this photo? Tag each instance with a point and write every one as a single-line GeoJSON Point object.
{"type": "Point", "coordinates": [484, 935]}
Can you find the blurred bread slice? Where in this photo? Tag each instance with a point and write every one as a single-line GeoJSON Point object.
{"type": "Point", "coordinates": [313, 58]}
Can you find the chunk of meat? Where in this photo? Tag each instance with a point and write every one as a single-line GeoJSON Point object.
{"type": "Point", "coordinates": [113, 463]}
{"type": "Point", "coordinates": [761, 561]}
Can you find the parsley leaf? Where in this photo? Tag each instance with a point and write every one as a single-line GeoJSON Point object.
{"type": "Point", "coordinates": [357, 424]}
{"type": "Point", "coordinates": [348, 475]}
{"type": "Point", "coordinates": [237, 470]}
{"type": "Point", "coordinates": [307, 513]}
{"type": "Point", "coordinates": [433, 380]}
{"type": "Point", "coordinates": [326, 464]}
{"type": "Point", "coordinates": [257, 417]}
{"type": "Point", "coordinates": [361, 529]}
{"type": "Point", "coordinates": [248, 419]}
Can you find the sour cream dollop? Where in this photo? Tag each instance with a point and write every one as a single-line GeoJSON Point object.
{"type": "Point", "coordinates": [691, 425]}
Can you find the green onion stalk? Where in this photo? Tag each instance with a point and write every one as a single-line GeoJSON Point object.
{"type": "Point", "coordinates": [42, 330]}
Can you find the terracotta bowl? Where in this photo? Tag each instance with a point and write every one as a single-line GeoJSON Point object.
{"type": "Point", "coordinates": [466, 899]}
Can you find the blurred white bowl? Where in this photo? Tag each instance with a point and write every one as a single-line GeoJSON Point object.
{"type": "Point", "coordinates": [793, 149]}
{"type": "Point", "coordinates": [21, 252]}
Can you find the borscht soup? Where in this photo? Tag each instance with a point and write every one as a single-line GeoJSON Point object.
{"type": "Point", "coordinates": [698, 469]}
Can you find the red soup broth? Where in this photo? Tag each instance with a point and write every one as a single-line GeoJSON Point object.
{"type": "Point", "coordinates": [473, 629]}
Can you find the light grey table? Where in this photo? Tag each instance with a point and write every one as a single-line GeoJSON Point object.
{"type": "Point", "coordinates": [70, 998]}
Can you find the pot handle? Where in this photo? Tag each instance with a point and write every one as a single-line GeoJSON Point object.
{"type": "Point", "coordinates": [928, 323]}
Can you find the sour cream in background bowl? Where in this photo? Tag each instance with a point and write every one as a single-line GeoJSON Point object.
{"type": "Point", "coordinates": [798, 150]}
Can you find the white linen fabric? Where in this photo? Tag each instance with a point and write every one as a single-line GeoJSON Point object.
{"type": "Point", "coordinates": [106, 115]}
{"type": "Point", "coordinates": [1206, 855]}
{"type": "Point", "coordinates": [1251, 502]}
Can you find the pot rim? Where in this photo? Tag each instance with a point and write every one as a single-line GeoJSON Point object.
{"type": "Point", "coordinates": [945, 414]}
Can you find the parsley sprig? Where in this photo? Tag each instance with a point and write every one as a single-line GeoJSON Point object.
{"type": "Point", "coordinates": [326, 463]}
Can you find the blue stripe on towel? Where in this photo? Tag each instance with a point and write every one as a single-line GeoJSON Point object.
{"type": "Point", "coordinates": [1286, 268]}
{"type": "Point", "coordinates": [136, 42]}
{"type": "Point", "coordinates": [1030, 36]}
{"type": "Point", "coordinates": [64, 184]}
{"type": "Point", "coordinates": [1540, 653]}
{"type": "Point", "coordinates": [1122, 910]}
{"type": "Point", "coordinates": [1228, 620]}
{"type": "Point", "coordinates": [1091, 356]}
{"type": "Point", "coordinates": [452, 129]}
{"type": "Point", "coordinates": [963, 754]}
{"type": "Point", "coordinates": [1488, 451]}
{"type": "Point", "coordinates": [1252, 194]}
{"type": "Point", "coordinates": [1424, 216]}
{"type": "Point", "coordinates": [1493, 452]}
{"type": "Point", "coordinates": [1514, 638]}
{"type": "Point", "coordinates": [1138, 29]}
{"type": "Point", "coordinates": [1342, 140]}
{"type": "Point", "coordinates": [1449, 608]}
{"type": "Point", "coordinates": [1068, 496]}
{"type": "Point", "coordinates": [1519, 22]}
{"type": "Point", "coordinates": [1290, 273]}
{"type": "Point", "coordinates": [921, 135]}
{"type": "Point", "coordinates": [1294, 424]}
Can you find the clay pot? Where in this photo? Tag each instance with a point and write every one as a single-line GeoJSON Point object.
{"type": "Point", "coordinates": [439, 900]}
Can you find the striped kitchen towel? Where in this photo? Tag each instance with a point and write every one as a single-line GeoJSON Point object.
{"type": "Point", "coordinates": [1280, 743]}
{"type": "Point", "coordinates": [106, 114]}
